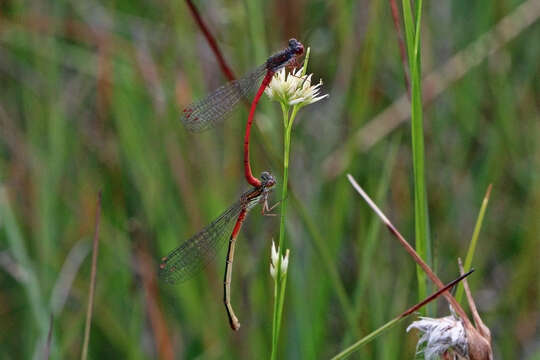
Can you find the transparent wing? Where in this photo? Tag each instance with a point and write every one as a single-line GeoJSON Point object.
{"type": "Point", "coordinates": [218, 105]}
{"type": "Point", "coordinates": [190, 257]}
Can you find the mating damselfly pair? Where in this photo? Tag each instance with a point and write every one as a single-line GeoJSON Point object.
{"type": "Point", "coordinates": [193, 254]}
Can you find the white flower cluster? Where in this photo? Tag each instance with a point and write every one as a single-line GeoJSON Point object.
{"type": "Point", "coordinates": [294, 89]}
{"type": "Point", "coordinates": [274, 258]}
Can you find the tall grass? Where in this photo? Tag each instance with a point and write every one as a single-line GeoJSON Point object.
{"type": "Point", "coordinates": [421, 226]}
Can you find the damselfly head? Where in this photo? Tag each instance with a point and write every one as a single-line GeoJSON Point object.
{"type": "Point", "coordinates": [296, 46]}
{"type": "Point", "coordinates": [267, 180]}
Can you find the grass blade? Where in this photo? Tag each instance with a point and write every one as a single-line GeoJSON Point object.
{"type": "Point", "coordinates": [422, 245]}
{"type": "Point", "coordinates": [474, 240]}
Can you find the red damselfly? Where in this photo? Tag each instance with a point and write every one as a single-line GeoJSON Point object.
{"type": "Point", "coordinates": [190, 257]}
{"type": "Point", "coordinates": [218, 105]}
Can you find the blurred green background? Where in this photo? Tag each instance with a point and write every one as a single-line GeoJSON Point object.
{"type": "Point", "coordinates": [90, 98]}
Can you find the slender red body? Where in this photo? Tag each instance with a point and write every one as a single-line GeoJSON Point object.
{"type": "Point", "coordinates": [252, 180]}
{"type": "Point", "coordinates": [273, 63]}
{"type": "Point", "coordinates": [238, 224]}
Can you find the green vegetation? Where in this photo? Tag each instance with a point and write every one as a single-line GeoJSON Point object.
{"type": "Point", "coordinates": [90, 99]}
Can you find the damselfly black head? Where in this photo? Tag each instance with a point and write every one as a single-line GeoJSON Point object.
{"type": "Point", "coordinates": [296, 47]}
{"type": "Point", "coordinates": [267, 180]}
{"type": "Point", "coordinates": [286, 56]}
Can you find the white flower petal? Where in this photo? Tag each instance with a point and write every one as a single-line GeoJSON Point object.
{"type": "Point", "coordinates": [285, 262]}
{"type": "Point", "coordinates": [319, 98]}
{"type": "Point", "coordinates": [272, 271]}
{"type": "Point", "coordinates": [274, 257]}
{"type": "Point", "coordinates": [296, 101]}
{"type": "Point", "coordinates": [293, 88]}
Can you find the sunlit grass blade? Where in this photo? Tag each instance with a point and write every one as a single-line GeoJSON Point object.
{"type": "Point", "coordinates": [474, 240]}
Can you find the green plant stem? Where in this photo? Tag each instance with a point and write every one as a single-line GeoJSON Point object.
{"type": "Point", "coordinates": [284, 183]}
{"type": "Point", "coordinates": [320, 247]}
{"type": "Point", "coordinates": [275, 319]}
{"type": "Point", "coordinates": [282, 285]}
{"type": "Point", "coordinates": [281, 279]}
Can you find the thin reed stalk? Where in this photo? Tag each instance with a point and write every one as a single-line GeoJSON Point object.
{"type": "Point", "coordinates": [95, 249]}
